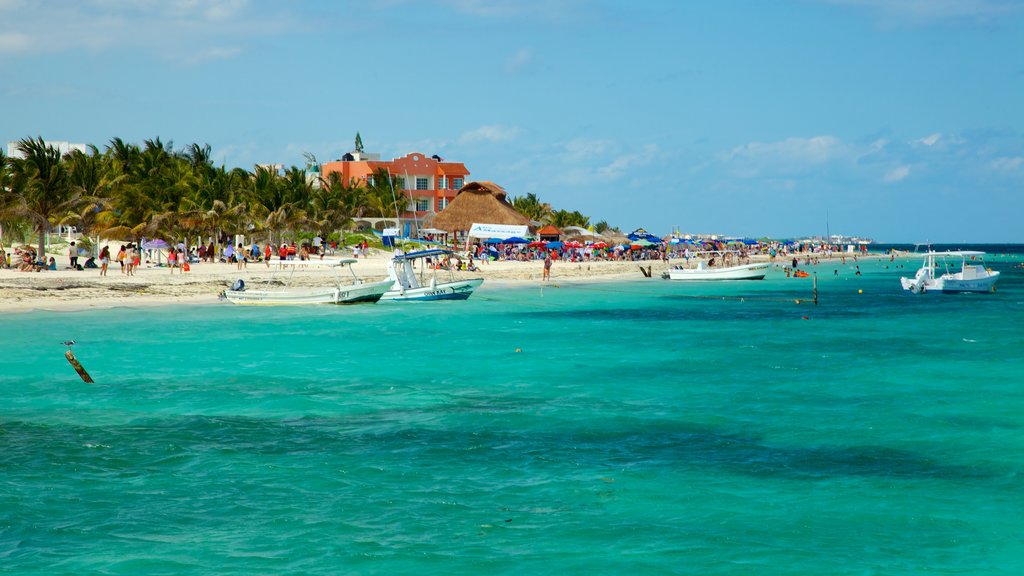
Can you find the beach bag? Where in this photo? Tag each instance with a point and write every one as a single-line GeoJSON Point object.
{"type": "Point", "coordinates": [185, 267]}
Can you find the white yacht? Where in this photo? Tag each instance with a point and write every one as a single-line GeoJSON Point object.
{"type": "Point", "coordinates": [938, 275]}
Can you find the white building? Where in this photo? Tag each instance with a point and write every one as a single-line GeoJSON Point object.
{"type": "Point", "coordinates": [62, 146]}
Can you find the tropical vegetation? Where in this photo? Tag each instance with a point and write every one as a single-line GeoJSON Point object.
{"type": "Point", "coordinates": [128, 192]}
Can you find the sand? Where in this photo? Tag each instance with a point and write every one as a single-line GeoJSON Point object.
{"type": "Point", "coordinates": [156, 285]}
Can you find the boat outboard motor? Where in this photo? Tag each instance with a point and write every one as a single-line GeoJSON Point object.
{"type": "Point", "coordinates": [238, 286]}
{"type": "Point", "coordinates": [918, 286]}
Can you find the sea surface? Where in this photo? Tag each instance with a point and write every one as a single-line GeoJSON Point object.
{"type": "Point", "coordinates": [638, 427]}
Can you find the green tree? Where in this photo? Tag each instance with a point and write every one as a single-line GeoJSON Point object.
{"type": "Point", "coordinates": [531, 207]}
{"type": "Point", "coordinates": [563, 218]}
{"type": "Point", "coordinates": [46, 192]}
{"type": "Point", "coordinates": [359, 143]}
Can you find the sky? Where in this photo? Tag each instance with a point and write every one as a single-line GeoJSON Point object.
{"type": "Point", "coordinates": [898, 120]}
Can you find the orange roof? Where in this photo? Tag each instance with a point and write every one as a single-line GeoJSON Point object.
{"type": "Point", "coordinates": [452, 169]}
{"type": "Point", "coordinates": [549, 230]}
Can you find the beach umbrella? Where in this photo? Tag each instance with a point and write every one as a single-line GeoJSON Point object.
{"type": "Point", "coordinates": [516, 240]}
{"type": "Point", "coordinates": [573, 244]}
{"type": "Point", "coordinates": [556, 245]}
{"type": "Point", "coordinates": [642, 243]}
{"type": "Point", "coordinates": [537, 244]}
{"type": "Point", "coordinates": [599, 245]}
{"type": "Point", "coordinates": [494, 241]}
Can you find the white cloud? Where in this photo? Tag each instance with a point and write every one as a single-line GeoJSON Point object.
{"type": "Point", "coordinates": [793, 151]}
{"type": "Point", "coordinates": [897, 174]}
{"type": "Point", "coordinates": [11, 42]}
{"type": "Point", "coordinates": [929, 140]}
{"type": "Point", "coordinates": [212, 53]}
{"type": "Point", "coordinates": [491, 133]}
{"type": "Point", "coordinates": [925, 12]}
{"type": "Point", "coordinates": [1007, 164]}
{"type": "Point", "coordinates": [187, 31]}
{"type": "Point", "coordinates": [582, 149]}
{"type": "Point", "coordinates": [519, 61]}
{"type": "Point", "coordinates": [625, 163]}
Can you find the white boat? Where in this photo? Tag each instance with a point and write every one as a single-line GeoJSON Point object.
{"type": "Point", "coordinates": [938, 275]}
{"type": "Point", "coordinates": [408, 286]}
{"type": "Point", "coordinates": [704, 272]}
{"type": "Point", "coordinates": [342, 292]}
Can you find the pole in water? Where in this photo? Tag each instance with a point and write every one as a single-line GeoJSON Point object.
{"type": "Point", "coordinates": [815, 288]}
{"type": "Point", "coordinates": [78, 367]}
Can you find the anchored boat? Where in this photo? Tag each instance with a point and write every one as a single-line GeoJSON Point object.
{"type": "Point", "coordinates": [342, 292]}
{"type": "Point", "coordinates": [938, 275]}
{"type": "Point", "coordinates": [407, 285]}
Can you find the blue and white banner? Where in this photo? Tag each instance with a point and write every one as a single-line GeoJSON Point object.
{"type": "Point", "coordinates": [496, 231]}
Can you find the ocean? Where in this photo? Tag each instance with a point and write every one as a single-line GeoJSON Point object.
{"type": "Point", "coordinates": [637, 427]}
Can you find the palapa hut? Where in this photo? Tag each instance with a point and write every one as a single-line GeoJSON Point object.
{"type": "Point", "coordinates": [549, 233]}
{"type": "Point", "coordinates": [478, 203]}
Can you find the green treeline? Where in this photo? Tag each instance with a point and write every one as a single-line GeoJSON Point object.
{"type": "Point", "coordinates": [128, 192]}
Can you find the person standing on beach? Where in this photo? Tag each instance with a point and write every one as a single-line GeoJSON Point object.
{"type": "Point", "coordinates": [121, 255]}
{"type": "Point", "coordinates": [547, 266]}
{"type": "Point", "coordinates": [104, 260]}
{"type": "Point", "coordinates": [282, 251]}
{"type": "Point", "coordinates": [129, 259]}
{"type": "Point", "coordinates": [73, 256]}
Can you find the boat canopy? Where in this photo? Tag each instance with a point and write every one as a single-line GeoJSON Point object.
{"type": "Point", "coordinates": [318, 263]}
{"type": "Point", "coordinates": [953, 253]}
{"type": "Point", "coordinates": [422, 254]}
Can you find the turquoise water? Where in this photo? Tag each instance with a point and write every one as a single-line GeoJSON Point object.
{"type": "Point", "coordinates": [644, 427]}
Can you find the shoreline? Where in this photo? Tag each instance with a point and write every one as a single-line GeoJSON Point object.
{"type": "Point", "coordinates": [71, 290]}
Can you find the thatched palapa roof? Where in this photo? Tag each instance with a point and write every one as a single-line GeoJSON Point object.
{"type": "Point", "coordinates": [478, 203]}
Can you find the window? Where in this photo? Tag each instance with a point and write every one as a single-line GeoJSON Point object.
{"type": "Point", "coordinates": [441, 182]}
{"type": "Point", "coordinates": [399, 183]}
{"type": "Point", "coordinates": [442, 204]}
{"type": "Point", "coordinates": [422, 204]}
{"type": "Point", "coordinates": [457, 183]}
{"type": "Point", "coordinates": [422, 183]}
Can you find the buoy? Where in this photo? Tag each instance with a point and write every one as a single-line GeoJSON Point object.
{"type": "Point", "coordinates": [860, 291]}
{"type": "Point", "coordinates": [78, 367]}
{"type": "Point", "coordinates": [518, 350]}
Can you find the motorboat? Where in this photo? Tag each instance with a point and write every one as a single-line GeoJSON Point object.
{"type": "Point", "coordinates": [938, 274]}
{"type": "Point", "coordinates": [343, 291]}
{"type": "Point", "coordinates": [704, 272]}
{"type": "Point", "coordinates": [407, 285]}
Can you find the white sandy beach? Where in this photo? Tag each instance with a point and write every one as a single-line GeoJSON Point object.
{"type": "Point", "coordinates": [66, 289]}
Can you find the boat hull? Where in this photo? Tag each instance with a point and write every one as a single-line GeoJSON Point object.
{"type": "Point", "coordinates": [951, 285]}
{"type": "Point", "coordinates": [367, 292]}
{"type": "Point", "coordinates": [458, 290]}
{"type": "Point", "coordinates": [973, 276]}
{"type": "Point", "coordinates": [743, 272]}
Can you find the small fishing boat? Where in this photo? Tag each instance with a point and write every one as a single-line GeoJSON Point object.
{"type": "Point", "coordinates": [342, 292]}
{"type": "Point", "coordinates": [938, 275]}
{"type": "Point", "coordinates": [709, 271]}
{"type": "Point", "coordinates": [407, 285]}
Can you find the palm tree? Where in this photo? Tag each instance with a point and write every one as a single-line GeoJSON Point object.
{"type": "Point", "coordinates": [91, 177]}
{"type": "Point", "coordinates": [8, 195]}
{"type": "Point", "coordinates": [563, 218]}
{"type": "Point", "coordinates": [531, 207]}
{"type": "Point", "coordinates": [380, 198]}
{"type": "Point", "coordinates": [47, 194]}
